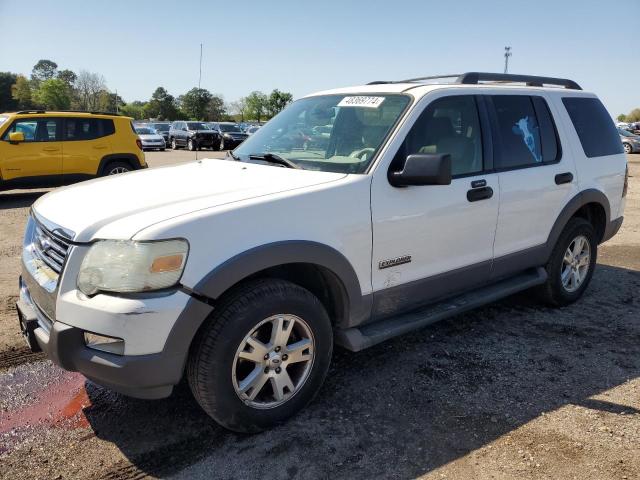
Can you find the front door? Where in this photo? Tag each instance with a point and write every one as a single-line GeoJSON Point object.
{"type": "Point", "coordinates": [433, 241]}
{"type": "Point", "coordinates": [37, 160]}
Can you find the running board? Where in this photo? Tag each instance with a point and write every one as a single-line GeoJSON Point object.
{"type": "Point", "coordinates": [359, 338]}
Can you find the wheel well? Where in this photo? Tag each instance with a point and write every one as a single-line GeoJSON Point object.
{"type": "Point", "coordinates": [595, 214]}
{"type": "Point", "coordinates": [108, 162]}
{"type": "Point", "coordinates": [320, 281]}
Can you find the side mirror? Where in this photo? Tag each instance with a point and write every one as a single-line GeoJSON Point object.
{"type": "Point", "coordinates": [16, 137]}
{"type": "Point", "coordinates": [423, 169]}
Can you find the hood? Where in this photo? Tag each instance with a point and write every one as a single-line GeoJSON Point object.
{"type": "Point", "coordinates": [119, 206]}
{"type": "Point", "coordinates": [150, 136]}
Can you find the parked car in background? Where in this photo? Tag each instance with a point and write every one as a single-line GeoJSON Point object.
{"type": "Point", "coordinates": [630, 141]}
{"type": "Point", "coordinates": [163, 129]}
{"type": "Point", "coordinates": [251, 129]}
{"type": "Point", "coordinates": [230, 134]}
{"type": "Point", "coordinates": [193, 135]}
{"type": "Point", "coordinates": [48, 149]}
{"type": "Point", "coordinates": [150, 138]}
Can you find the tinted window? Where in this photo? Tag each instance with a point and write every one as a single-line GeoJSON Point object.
{"type": "Point", "coordinates": [225, 127]}
{"type": "Point", "coordinates": [595, 128]}
{"type": "Point", "coordinates": [448, 125]}
{"type": "Point", "coordinates": [551, 151]}
{"type": "Point", "coordinates": [518, 130]}
{"type": "Point", "coordinates": [197, 126]}
{"type": "Point", "coordinates": [36, 129]}
{"type": "Point", "coordinates": [87, 128]}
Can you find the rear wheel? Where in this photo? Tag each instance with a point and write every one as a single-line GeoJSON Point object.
{"type": "Point", "coordinates": [174, 145]}
{"type": "Point", "coordinates": [191, 145]}
{"type": "Point", "coordinates": [262, 357]}
{"type": "Point", "coordinates": [571, 265]}
{"type": "Point", "coordinates": [115, 168]}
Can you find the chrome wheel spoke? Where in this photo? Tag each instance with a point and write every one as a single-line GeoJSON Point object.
{"type": "Point", "coordinates": [257, 352]}
{"type": "Point", "coordinates": [253, 383]}
{"type": "Point", "coordinates": [282, 385]}
{"type": "Point", "coordinates": [301, 351]}
{"type": "Point", "coordinates": [281, 331]}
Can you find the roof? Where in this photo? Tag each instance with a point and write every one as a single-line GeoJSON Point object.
{"type": "Point", "coordinates": [64, 113]}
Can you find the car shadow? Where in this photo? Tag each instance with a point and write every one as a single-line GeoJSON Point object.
{"type": "Point", "coordinates": [13, 200]}
{"type": "Point", "coordinates": [410, 405]}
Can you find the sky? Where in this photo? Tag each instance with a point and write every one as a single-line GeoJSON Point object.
{"type": "Point", "coordinates": [302, 47]}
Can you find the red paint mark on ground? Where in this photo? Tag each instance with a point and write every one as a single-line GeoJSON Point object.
{"type": "Point", "coordinates": [58, 404]}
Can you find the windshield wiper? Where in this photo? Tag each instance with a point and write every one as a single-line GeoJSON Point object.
{"type": "Point", "coordinates": [273, 158]}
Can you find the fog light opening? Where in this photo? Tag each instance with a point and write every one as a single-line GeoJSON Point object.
{"type": "Point", "coordinates": [104, 343]}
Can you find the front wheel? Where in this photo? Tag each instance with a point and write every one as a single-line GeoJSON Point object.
{"type": "Point", "coordinates": [627, 148]}
{"type": "Point", "coordinates": [571, 265]}
{"type": "Point", "coordinates": [190, 145]}
{"type": "Point", "coordinates": [223, 145]}
{"type": "Point", "coordinates": [174, 145]}
{"type": "Point", "coordinates": [262, 356]}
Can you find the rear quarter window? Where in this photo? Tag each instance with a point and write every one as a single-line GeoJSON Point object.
{"type": "Point", "coordinates": [595, 128]}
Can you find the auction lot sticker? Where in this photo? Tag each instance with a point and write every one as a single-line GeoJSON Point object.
{"type": "Point", "coordinates": [361, 101]}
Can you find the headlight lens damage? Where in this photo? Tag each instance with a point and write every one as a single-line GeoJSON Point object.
{"type": "Point", "coordinates": [130, 266]}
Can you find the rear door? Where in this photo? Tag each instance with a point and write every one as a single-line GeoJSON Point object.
{"type": "Point", "coordinates": [86, 142]}
{"type": "Point", "coordinates": [537, 176]}
{"type": "Point", "coordinates": [37, 160]}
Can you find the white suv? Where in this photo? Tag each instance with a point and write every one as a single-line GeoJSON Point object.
{"type": "Point", "coordinates": [355, 215]}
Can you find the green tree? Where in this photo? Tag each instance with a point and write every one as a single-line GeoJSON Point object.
{"type": "Point", "coordinates": [44, 70]}
{"type": "Point", "coordinates": [7, 102]}
{"type": "Point", "coordinates": [195, 102]}
{"type": "Point", "coordinates": [216, 110]}
{"type": "Point", "coordinates": [277, 101]}
{"type": "Point", "coordinates": [257, 103]}
{"type": "Point", "coordinates": [88, 87]}
{"type": "Point", "coordinates": [21, 92]}
{"type": "Point", "coordinates": [68, 77]}
{"type": "Point", "coordinates": [239, 108]}
{"type": "Point", "coordinates": [134, 109]}
{"type": "Point", "coordinates": [162, 105]}
{"type": "Point", "coordinates": [634, 115]}
{"type": "Point", "coordinates": [109, 102]}
{"type": "Point", "coordinates": [53, 94]}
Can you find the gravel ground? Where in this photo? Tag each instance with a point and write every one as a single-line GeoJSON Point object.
{"type": "Point", "coordinates": [512, 390]}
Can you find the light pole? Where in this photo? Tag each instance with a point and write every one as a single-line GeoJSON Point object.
{"type": "Point", "coordinates": [507, 54]}
{"type": "Point", "coordinates": [200, 75]}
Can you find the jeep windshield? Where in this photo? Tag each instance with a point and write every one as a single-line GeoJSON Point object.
{"type": "Point", "coordinates": [331, 133]}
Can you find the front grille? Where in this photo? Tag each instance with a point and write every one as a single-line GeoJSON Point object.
{"type": "Point", "coordinates": [50, 248]}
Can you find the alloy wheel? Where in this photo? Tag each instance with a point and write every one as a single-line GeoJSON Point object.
{"type": "Point", "coordinates": [576, 263]}
{"type": "Point", "coordinates": [117, 170]}
{"type": "Point", "coordinates": [273, 361]}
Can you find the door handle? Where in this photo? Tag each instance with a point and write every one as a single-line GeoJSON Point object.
{"type": "Point", "coordinates": [476, 194]}
{"type": "Point", "coordinates": [566, 177]}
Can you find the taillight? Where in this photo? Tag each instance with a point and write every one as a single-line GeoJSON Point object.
{"type": "Point", "coordinates": [139, 143]}
{"type": "Point", "coordinates": [626, 181]}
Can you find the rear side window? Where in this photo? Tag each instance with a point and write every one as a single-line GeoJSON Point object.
{"type": "Point", "coordinates": [87, 128]}
{"type": "Point", "coordinates": [594, 126]}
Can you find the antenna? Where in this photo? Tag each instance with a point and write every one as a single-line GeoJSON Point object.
{"type": "Point", "coordinates": [507, 54]}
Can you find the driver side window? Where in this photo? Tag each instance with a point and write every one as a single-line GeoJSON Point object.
{"type": "Point", "coordinates": [448, 125]}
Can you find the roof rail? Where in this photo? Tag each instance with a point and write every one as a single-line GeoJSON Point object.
{"type": "Point", "coordinates": [473, 78]}
{"type": "Point", "coordinates": [67, 111]}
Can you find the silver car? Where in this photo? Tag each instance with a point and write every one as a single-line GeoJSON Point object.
{"type": "Point", "coordinates": [151, 139]}
{"type": "Point", "coordinates": [630, 142]}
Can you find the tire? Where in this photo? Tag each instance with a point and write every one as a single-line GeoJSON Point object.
{"type": "Point", "coordinates": [174, 145]}
{"type": "Point", "coordinates": [554, 291]}
{"type": "Point", "coordinates": [222, 145]}
{"type": "Point", "coordinates": [627, 148]}
{"type": "Point", "coordinates": [114, 168]}
{"type": "Point", "coordinates": [216, 372]}
{"type": "Point", "coordinates": [190, 145]}
{"type": "Point", "coordinates": [162, 149]}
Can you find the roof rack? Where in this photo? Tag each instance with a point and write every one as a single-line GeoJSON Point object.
{"type": "Point", "coordinates": [474, 78]}
{"type": "Point", "coordinates": [22, 112]}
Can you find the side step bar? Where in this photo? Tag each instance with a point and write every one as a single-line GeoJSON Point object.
{"type": "Point", "coordinates": [359, 338]}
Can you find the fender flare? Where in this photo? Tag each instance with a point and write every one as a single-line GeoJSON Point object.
{"type": "Point", "coordinates": [576, 203]}
{"type": "Point", "coordinates": [252, 261]}
{"type": "Point", "coordinates": [114, 157]}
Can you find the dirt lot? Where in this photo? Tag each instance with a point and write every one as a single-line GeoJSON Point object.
{"type": "Point", "coordinates": [512, 390]}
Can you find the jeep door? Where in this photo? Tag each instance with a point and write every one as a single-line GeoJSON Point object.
{"type": "Point", "coordinates": [37, 159]}
{"type": "Point", "coordinates": [536, 178]}
{"type": "Point", "coordinates": [86, 142]}
{"type": "Point", "coordinates": [431, 241]}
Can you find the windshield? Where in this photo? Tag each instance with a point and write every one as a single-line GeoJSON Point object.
{"type": "Point", "coordinates": [331, 133]}
{"type": "Point", "coordinates": [161, 127]}
{"type": "Point", "coordinates": [145, 131]}
{"type": "Point", "coordinates": [226, 127]}
{"type": "Point", "coordinates": [624, 133]}
{"type": "Point", "coordinates": [197, 126]}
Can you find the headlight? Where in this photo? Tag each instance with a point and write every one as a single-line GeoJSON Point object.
{"type": "Point", "coordinates": [129, 266]}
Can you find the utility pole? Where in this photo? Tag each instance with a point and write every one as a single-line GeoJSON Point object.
{"type": "Point", "coordinates": [507, 54]}
{"type": "Point", "coordinates": [200, 76]}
